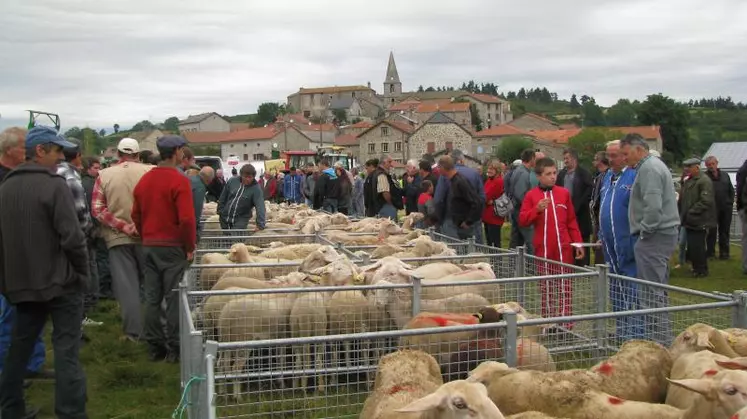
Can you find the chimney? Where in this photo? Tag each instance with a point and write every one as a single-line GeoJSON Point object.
{"type": "Point", "coordinates": [369, 85]}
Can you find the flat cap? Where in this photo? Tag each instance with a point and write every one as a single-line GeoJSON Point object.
{"type": "Point", "coordinates": [171, 141]}
{"type": "Point", "coordinates": [691, 162]}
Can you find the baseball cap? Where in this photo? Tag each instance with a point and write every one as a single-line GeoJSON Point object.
{"type": "Point", "coordinates": [691, 162]}
{"type": "Point", "coordinates": [128, 146]}
{"type": "Point", "coordinates": [41, 135]}
{"type": "Point", "coordinates": [171, 141]}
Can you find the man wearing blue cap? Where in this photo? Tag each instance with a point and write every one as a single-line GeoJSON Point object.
{"type": "Point", "coordinates": [43, 272]}
{"type": "Point", "coordinates": [164, 216]}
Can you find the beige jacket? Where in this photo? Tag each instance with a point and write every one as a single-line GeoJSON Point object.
{"type": "Point", "coordinates": [117, 183]}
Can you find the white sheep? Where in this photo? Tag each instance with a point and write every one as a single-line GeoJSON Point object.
{"type": "Point", "coordinates": [308, 317]}
{"type": "Point", "coordinates": [737, 339]}
{"type": "Point", "coordinates": [458, 399]}
{"type": "Point", "coordinates": [291, 252]}
{"type": "Point", "coordinates": [692, 366]}
{"type": "Point", "coordinates": [491, 291]}
{"type": "Point", "coordinates": [532, 415]}
{"type": "Point", "coordinates": [385, 250]}
{"type": "Point", "coordinates": [319, 258]}
{"type": "Point", "coordinates": [339, 273]}
{"type": "Point", "coordinates": [437, 270]}
{"type": "Point", "coordinates": [409, 221]}
{"type": "Point", "coordinates": [532, 332]}
{"type": "Point", "coordinates": [401, 378]}
{"type": "Point", "coordinates": [701, 337]}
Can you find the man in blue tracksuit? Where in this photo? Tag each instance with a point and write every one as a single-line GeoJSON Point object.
{"type": "Point", "coordinates": [292, 187]}
{"type": "Point", "coordinates": [618, 243]}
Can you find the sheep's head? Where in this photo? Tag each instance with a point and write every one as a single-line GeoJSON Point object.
{"type": "Point", "coordinates": [338, 273]}
{"type": "Point", "coordinates": [411, 219]}
{"type": "Point", "coordinates": [390, 269]}
{"type": "Point", "coordinates": [485, 372]}
{"type": "Point", "coordinates": [727, 390]}
{"type": "Point", "coordinates": [700, 337]}
{"type": "Point", "coordinates": [382, 297]}
{"type": "Point", "coordinates": [510, 305]}
{"type": "Point", "coordinates": [339, 219]}
{"type": "Point", "coordinates": [311, 226]}
{"type": "Point", "coordinates": [239, 253]}
{"type": "Point", "coordinates": [456, 400]}
{"type": "Point", "coordinates": [319, 258]}
{"type": "Point", "coordinates": [388, 227]}
{"type": "Point", "coordinates": [481, 266]}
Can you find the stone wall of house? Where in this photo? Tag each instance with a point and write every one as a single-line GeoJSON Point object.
{"type": "Point", "coordinates": [492, 114]}
{"type": "Point", "coordinates": [439, 135]}
{"type": "Point", "coordinates": [529, 123]}
{"type": "Point", "coordinates": [213, 123]}
{"type": "Point", "coordinates": [254, 149]}
{"type": "Point", "coordinates": [378, 141]}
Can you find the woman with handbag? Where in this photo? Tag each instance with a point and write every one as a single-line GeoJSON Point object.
{"type": "Point", "coordinates": [493, 190]}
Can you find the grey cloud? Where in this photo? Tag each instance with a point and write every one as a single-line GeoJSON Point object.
{"type": "Point", "coordinates": [97, 63]}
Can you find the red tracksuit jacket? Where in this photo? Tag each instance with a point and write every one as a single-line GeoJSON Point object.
{"type": "Point", "coordinates": [554, 231]}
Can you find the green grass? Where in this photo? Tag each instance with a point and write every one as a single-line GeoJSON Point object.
{"type": "Point", "coordinates": [122, 383]}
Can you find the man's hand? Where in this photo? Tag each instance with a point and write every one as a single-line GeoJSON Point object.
{"type": "Point", "coordinates": [580, 252]}
{"type": "Point", "coordinates": [130, 230]}
{"type": "Point", "coordinates": [464, 225]}
{"type": "Point", "coordinates": [542, 204]}
{"type": "Point", "coordinates": [190, 256]}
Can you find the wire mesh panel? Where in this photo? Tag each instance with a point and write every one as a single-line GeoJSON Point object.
{"type": "Point", "coordinates": [504, 264]}
{"type": "Point", "coordinates": [261, 239]}
{"type": "Point", "coordinates": [735, 230]}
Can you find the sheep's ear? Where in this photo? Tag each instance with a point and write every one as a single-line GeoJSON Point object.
{"type": "Point", "coordinates": [734, 363]}
{"type": "Point", "coordinates": [371, 267]}
{"type": "Point", "coordinates": [698, 385]}
{"type": "Point", "coordinates": [427, 403]}
{"type": "Point", "coordinates": [319, 271]}
{"type": "Point", "coordinates": [704, 341]}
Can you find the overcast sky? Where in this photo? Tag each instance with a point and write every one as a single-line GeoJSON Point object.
{"type": "Point", "coordinates": [100, 62]}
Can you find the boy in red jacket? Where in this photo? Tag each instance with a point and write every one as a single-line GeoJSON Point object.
{"type": "Point", "coordinates": [164, 216]}
{"type": "Point", "coordinates": [550, 210]}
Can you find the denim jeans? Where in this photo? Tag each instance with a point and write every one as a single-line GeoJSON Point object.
{"type": "Point", "coordinates": [683, 246]}
{"type": "Point", "coordinates": [388, 211]}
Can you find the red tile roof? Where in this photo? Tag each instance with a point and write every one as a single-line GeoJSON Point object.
{"type": "Point", "coordinates": [647, 132]}
{"type": "Point", "coordinates": [347, 140]}
{"type": "Point", "coordinates": [251, 134]}
{"type": "Point", "coordinates": [501, 131]}
{"type": "Point", "coordinates": [316, 127]}
{"type": "Point", "coordinates": [402, 126]}
{"type": "Point", "coordinates": [558, 136]}
{"type": "Point", "coordinates": [486, 98]}
{"type": "Point", "coordinates": [362, 124]}
{"type": "Point", "coordinates": [443, 107]}
{"type": "Point", "coordinates": [297, 118]}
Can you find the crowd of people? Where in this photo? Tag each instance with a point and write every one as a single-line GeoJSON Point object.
{"type": "Point", "coordinates": [73, 232]}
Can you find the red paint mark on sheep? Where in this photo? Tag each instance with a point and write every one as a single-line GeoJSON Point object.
{"type": "Point", "coordinates": [606, 368]}
{"type": "Point", "coordinates": [736, 416]}
{"type": "Point", "coordinates": [440, 321]}
{"type": "Point", "coordinates": [397, 389]}
{"type": "Point", "coordinates": [615, 400]}
{"type": "Point", "coordinates": [710, 373]}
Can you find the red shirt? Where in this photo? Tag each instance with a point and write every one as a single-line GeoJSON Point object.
{"type": "Point", "coordinates": [423, 198]}
{"type": "Point", "coordinates": [555, 228]}
{"type": "Point", "coordinates": [493, 191]}
{"type": "Point", "coordinates": [163, 211]}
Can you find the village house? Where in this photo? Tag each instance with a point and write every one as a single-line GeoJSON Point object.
{"type": "Point", "coordinates": [350, 105]}
{"type": "Point", "coordinates": [350, 144]}
{"type": "Point", "coordinates": [532, 122]}
{"type": "Point", "coordinates": [147, 139]}
{"type": "Point", "coordinates": [356, 128]}
{"type": "Point", "coordinates": [205, 122]}
{"type": "Point", "coordinates": [492, 110]}
{"type": "Point", "coordinates": [317, 101]}
{"type": "Point", "coordinates": [384, 137]}
{"type": "Point", "coordinates": [439, 132]}
{"type": "Point", "coordinates": [417, 112]}
{"type": "Point", "coordinates": [254, 143]}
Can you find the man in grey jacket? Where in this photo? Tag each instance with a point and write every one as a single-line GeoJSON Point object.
{"type": "Point", "coordinates": [43, 272]}
{"type": "Point", "coordinates": [654, 220]}
{"type": "Point", "coordinates": [309, 183]}
{"type": "Point", "coordinates": [521, 183]}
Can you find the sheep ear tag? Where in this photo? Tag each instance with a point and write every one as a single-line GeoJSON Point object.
{"type": "Point", "coordinates": [359, 278]}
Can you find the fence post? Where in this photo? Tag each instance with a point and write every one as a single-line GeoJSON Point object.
{"type": "Point", "coordinates": [366, 258]}
{"type": "Point", "coordinates": [470, 245]}
{"type": "Point", "coordinates": [511, 338]}
{"type": "Point", "coordinates": [208, 407]}
{"type": "Point", "coordinates": [432, 233]}
{"type": "Point", "coordinates": [417, 287]}
{"type": "Point", "coordinates": [600, 295]}
{"type": "Point", "coordinates": [739, 313]}
{"type": "Point", "coordinates": [317, 237]}
{"type": "Point", "coordinates": [520, 272]}
{"type": "Point", "coordinates": [184, 331]}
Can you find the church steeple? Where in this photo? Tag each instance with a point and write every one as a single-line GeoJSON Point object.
{"type": "Point", "coordinates": [392, 85]}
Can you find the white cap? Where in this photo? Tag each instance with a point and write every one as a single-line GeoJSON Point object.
{"type": "Point", "coordinates": [654, 153]}
{"type": "Point", "coordinates": [516, 162]}
{"type": "Point", "coordinates": [128, 146]}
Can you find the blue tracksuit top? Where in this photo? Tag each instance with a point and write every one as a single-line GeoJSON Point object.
{"type": "Point", "coordinates": [614, 226]}
{"type": "Point", "coordinates": [292, 188]}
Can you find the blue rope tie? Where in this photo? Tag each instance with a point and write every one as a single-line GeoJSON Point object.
{"type": "Point", "coordinates": [184, 402]}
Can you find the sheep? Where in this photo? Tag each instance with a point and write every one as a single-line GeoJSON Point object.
{"type": "Point", "coordinates": [692, 366]}
{"type": "Point", "coordinates": [737, 339]}
{"type": "Point", "coordinates": [210, 309]}
{"type": "Point", "coordinates": [411, 219]}
{"type": "Point", "coordinates": [441, 345]}
{"type": "Point", "coordinates": [370, 225]}
{"type": "Point", "coordinates": [319, 258]}
{"type": "Point", "coordinates": [401, 239]}
{"type": "Point", "coordinates": [638, 371]}
{"type": "Point", "coordinates": [293, 251]}
{"type": "Point", "coordinates": [491, 291]}
{"type": "Point", "coordinates": [437, 270]}
{"type": "Point", "coordinates": [385, 250]}
{"type": "Point", "coordinates": [293, 279]}
{"type": "Point", "coordinates": [424, 246]}
{"type": "Point", "coordinates": [742, 414]}
{"type": "Point", "coordinates": [401, 378]}
{"type": "Point", "coordinates": [308, 317]}
{"type": "Point", "coordinates": [700, 337]}
{"type": "Point", "coordinates": [210, 208]}
{"type": "Point", "coordinates": [209, 276]}
{"type": "Point", "coordinates": [456, 400]}
{"type": "Point", "coordinates": [252, 317]}
{"type": "Point", "coordinates": [338, 273]}
{"type": "Point", "coordinates": [398, 303]}
{"type": "Point", "coordinates": [351, 312]}
{"type": "Point", "coordinates": [718, 397]}
{"type": "Point", "coordinates": [531, 332]}
{"type": "Point", "coordinates": [351, 240]}
{"type": "Point", "coordinates": [389, 268]}
{"type": "Point", "coordinates": [531, 415]}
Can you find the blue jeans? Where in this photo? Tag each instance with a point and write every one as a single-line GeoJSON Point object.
{"type": "Point", "coordinates": [330, 205]}
{"type": "Point", "coordinates": [448, 228]}
{"type": "Point", "coordinates": [388, 211]}
{"type": "Point", "coordinates": [683, 246]}
{"type": "Point", "coordinates": [7, 320]}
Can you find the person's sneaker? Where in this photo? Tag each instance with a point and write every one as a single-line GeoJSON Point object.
{"type": "Point", "coordinates": [87, 321]}
{"type": "Point", "coordinates": [40, 375]}
{"type": "Point", "coordinates": [129, 338]}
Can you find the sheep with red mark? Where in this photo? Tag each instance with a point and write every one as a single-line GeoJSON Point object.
{"type": "Point", "coordinates": [703, 364]}
{"type": "Point", "coordinates": [532, 415]}
{"type": "Point", "coordinates": [456, 400]}
{"type": "Point", "coordinates": [700, 337]}
{"type": "Point", "coordinates": [402, 377]}
{"type": "Point", "coordinates": [535, 332]}
{"type": "Point", "coordinates": [742, 414]}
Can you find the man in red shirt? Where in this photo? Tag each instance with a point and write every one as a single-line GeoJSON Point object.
{"type": "Point", "coordinates": [163, 214]}
{"type": "Point", "coordinates": [549, 209]}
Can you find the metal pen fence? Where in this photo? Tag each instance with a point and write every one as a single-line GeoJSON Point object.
{"type": "Point", "coordinates": [735, 230]}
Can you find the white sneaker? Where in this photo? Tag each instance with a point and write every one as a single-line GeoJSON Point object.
{"type": "Point", "coordinates": [89, 322]}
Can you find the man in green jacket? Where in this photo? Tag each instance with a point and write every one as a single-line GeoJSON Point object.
{"type": "Point", "coordinates": [200, 183]}
{"type": "Point", "coordinates": [697, 214]}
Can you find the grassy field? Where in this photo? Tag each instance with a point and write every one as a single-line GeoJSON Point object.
{"type": "Point", "coordinates": [123, 384]}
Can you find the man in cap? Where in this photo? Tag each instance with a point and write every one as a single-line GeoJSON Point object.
{"type": "Point", "coordinates": [697, 214]}
{"type": "Point", "coordinates": [112, 206]}
{"type": "Point", "coordinates": [163, 213]}
{"type": "Point", "coordinates": [43, 272]}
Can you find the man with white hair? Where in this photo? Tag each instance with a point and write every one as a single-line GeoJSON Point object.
{"type": "Point", "coordinates": [441, 195]}
{"type": "Point", "coordinates": [411, 185]}
{"type": "Point", "coordinates": [12, 152]}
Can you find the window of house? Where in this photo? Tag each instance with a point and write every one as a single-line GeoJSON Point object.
{"type": "Point", "coordinates": [398, 146]}
{"type": "Point", "coordinates": [392, 101]}
{"type": "Point", "coordinates": [246, 156]}
{"type": "Point", "coordinates": [431, 147]}
{"type": "Point", "coordinates": [372, 148]}
{"type": "Point", "coordinates": [257, 156]}
{"type": "Point", "coordinates": [391, 88]}
{"type": "Point", "coordinates": [231, 145]}
{"type": "Point", "coordinates": [353, 94]}
{"type": "Point", "coordinates": [495, 150]}
{"type": "Point", "coordinates": [449, 145]}
{"type": "Point", "coordinates": [398, 161]}
{"type": "Point", "coordinates": [384, 147]}
{"type": "Point", "coordinates": [384, 131]}
{"type": "Point", "coordinates": [306, 114]}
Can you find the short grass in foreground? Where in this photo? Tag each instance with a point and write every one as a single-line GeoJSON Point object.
{"type": "Point", "coordinates": [123, 384]}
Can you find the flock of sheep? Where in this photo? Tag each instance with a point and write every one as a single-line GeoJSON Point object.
{"type": "Point", "coordinates": [699, 376]}
{"type": "Point", "coordinates": [703, 375]}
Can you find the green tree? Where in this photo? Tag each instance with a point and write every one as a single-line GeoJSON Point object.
{"type": "Point", "coordinates": [340, 115]}
{"type": "Point", "coordinates": [88, 143]}
{"type": "Point", "coordinates": [143, 125]}
{"type": "Point", "coordinates": [420, 88]}
{"type": "Point", "coordinates": [102, 133]}
{"type": "Point", "coordinates": [476, 121]}
{"type": "Point", "coordinates": [593, 115]}
{"type": "Point", "coordinates": [171, 124]}
{"type": "Point", "coordinates": [267, 113]}
{"type": "Point", "coordinates": [574, 102]}
{"type": "Point", "coordinates": [116, 128]}
{"type": "Point", "coordinates": [673, 117]}
{"type": "Point", "coordinates": [591, 140]}
{"type": "Point", "coordinates": [74, 132]}
{"type": "Point", "coordinates": [511, 147]}
{"type": "Point", "coordinates": [622, 114]}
